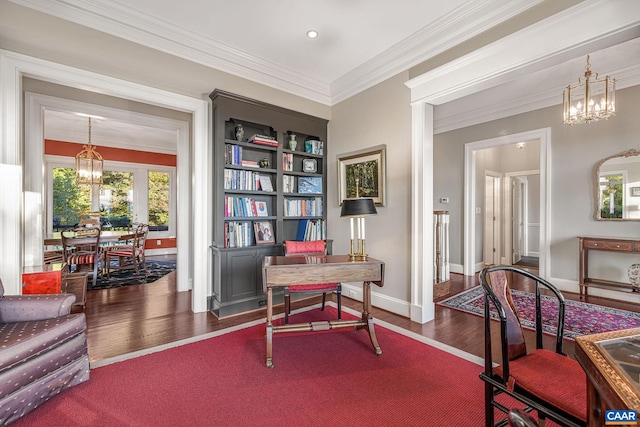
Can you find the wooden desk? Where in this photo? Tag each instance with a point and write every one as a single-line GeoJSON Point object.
{"type": "Point", "coordinates": [281, 271]}
{"type": "Point", "coordinates": [105, 237]}
{"type": "Point", "coordinates": [608, 387]}
{"type": "Point", "coordinates": [608, 244]}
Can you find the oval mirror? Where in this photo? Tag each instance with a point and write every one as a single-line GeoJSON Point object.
{"type": "Point", "coordinates": [617, 186]}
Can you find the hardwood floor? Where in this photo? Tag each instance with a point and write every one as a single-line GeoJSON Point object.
{"type": "Point", "coordinates": [134, 318]}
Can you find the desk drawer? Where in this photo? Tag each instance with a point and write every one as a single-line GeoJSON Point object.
{"type": "Point", "coordinates": [605, 245]}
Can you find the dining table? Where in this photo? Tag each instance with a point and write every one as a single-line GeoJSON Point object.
{"type": "Point", "coordinates": [55, 239]}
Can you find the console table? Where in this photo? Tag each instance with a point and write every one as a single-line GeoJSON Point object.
{"type": "Point", "coordinates": [608, 244]}
{"type": "Point", "coordinates": [281, 271]}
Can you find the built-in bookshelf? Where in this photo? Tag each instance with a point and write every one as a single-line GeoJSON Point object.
{"type": "Point", "coordinates": [269, 185]}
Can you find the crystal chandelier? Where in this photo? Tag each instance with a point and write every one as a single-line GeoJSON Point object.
{"type": "Point", "coordinates": [88, 164]}
{"type": "Point", "coordinates": [590, 100]}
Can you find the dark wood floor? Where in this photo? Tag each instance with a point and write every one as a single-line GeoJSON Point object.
{"type": "Point", "coordinates": [133, 318]}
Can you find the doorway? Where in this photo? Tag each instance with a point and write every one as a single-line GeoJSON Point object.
{"type": "Point", "coordinates": [477, 161]}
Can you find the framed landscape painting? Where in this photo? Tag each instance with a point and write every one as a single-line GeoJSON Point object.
{"type": "Point", "coordinates": [362, 174]}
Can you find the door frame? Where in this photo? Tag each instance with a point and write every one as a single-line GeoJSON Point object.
{"type": "Point", "coordinates": [497, 214]}
{"type": "Point", "coordinates": [508, 218]}
{"type": "Point", "coordinates": [543, 135]}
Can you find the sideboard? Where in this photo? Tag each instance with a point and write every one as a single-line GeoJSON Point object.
{"type": "Point", "coordinates": [608, 244]}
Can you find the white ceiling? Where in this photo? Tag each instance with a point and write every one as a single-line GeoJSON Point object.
{"type": "Point", "coordinates": [361, 43]}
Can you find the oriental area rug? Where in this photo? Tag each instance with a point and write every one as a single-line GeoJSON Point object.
{"type": "Point", "coordinates": [329, 378]}
{"type": "Point", "coordinates": [580, 318]}
{"type": "Point", "coordinates": [127, 276]}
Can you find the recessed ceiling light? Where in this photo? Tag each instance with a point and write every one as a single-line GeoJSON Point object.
{"type": "Point", "coordinates": [312, 34]}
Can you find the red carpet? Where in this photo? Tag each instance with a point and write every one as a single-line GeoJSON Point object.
{"type": "Point", "coordinates": [320, 379]}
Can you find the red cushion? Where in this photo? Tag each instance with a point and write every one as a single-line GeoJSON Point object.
{"type": "Point", "coordinates": [313, 287]}
{"type": "Point", "coordinates": [293, 247]}
{"type": "Point", "coordinates": [81, 259]}
{"type": "Point", "coordinates": [554, 378]}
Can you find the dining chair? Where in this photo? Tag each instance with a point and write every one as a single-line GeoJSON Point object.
{"type": "Point", "coordinates": [81, 250]}
{"type": "Point", "coordinates": [309, 248]}
{"type": "Point", "coordinates": [131, 253]}
{"type": "Point", "coordinates": [545, 380]}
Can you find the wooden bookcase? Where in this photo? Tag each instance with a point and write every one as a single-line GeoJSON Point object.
{"type": "Point", "coordinates": [237, 273]}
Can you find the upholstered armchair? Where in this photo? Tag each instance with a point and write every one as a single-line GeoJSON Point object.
{"type": "Point", "coordinates": [43, 351]}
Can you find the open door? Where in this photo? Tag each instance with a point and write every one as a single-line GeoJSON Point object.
{"type": "Point", "coordinates": [492, 211]}
{"type": "Point", "coordinates": [518, 231]}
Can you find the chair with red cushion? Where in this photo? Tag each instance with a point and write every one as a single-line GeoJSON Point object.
{"type": "Point", "coordinates": [547, 381]}
{"type": "Point", "coordinates": [131, 253]}
{"type": "Point", "coordinates": [81, 250]}
{"type": "Point", "coordinates": [309, 248]}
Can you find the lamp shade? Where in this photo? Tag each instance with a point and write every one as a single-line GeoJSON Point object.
{"type": "Point", "coordinates": [358, 207]}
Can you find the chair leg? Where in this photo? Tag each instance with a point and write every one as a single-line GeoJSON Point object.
{"type": "Point", "coordinates": [488, 406]}
{"type": "Point", "coordinates": [324, 299]}
{"type": "Point", "coordinates": [287, 306]}
{"type": "Point", "coordinates": [339, 298]}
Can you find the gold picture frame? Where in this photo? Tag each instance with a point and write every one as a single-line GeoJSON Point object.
{"type": "Point", "coordinates": [363, 174]}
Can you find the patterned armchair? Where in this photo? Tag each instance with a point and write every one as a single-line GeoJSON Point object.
{"type": "Point", "coordinates": [43, 352]}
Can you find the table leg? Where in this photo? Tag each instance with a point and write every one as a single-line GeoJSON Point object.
{"type": "Point", "coordinates": [269, 327]}
{"type": "Point", "coordinates": [368, 318]}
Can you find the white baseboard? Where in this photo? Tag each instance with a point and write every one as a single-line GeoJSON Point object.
{"type": "Point", "coordinates": [456, 268]}
{"type": "Point", "coordinates": [384, 302]}
{"type": "Point", "coordinates": [160, 251]}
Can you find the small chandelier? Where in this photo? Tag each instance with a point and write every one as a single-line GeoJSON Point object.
{"type": "Point", "coordinates": [88, 164]}
{"type": "Point", "coordinates": [589, 100]}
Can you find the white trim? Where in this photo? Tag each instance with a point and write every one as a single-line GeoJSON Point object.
{"type": "Point", "coordinates": [192, 247]}
{"type": "Point", "coordinates": [422, 306]}
{"type": "Point", "coordinates": [470, 149]}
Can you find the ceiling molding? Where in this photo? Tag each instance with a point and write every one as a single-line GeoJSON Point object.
{"type": "Point", "coordinates": [450, 30]}
{"type": "Point", "coordinates": [119, 20]}
{"type": "Point", "coordinates": [455, 118]}
{"type": "Point", "coordinates": [592, 25]}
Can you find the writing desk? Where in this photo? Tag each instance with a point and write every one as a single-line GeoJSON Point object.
{"type": "Point", "coordinates": [611, 361]}
{"type": "Point", "coordinates": [281, 271]}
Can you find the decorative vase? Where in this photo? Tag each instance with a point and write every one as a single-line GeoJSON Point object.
{"type": "Point", "coordinates": [264, 163]}
{"type": "Point", "coordinates": [634, 277]}
{"type": "Point", "coordinates": [292, 142]}
{"type": "Point", "coordinates": [239, 132]}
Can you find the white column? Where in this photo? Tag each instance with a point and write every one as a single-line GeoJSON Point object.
{"type": "Point", "coordinates": [422, 306]}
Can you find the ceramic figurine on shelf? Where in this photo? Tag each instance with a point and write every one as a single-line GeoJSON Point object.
{"type": "Point", "coordinates": [264, 163]}
{"type": "Point", "coordinates": [292, 142]}
{"type": "Point", "coordinates": [239, 132]}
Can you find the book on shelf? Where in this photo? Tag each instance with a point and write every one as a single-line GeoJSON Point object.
{"type": "Point", "coordinates": [303, 207]}
{"type": "Point", "coordinates": [288, 183]}
{"type": "Point", "coordinates": [265, 183]}
{"type": "Point", "coordinates": [287, 161]}
{"type": "Point", "coordinates": [311, 229]}
{"type": "Point", "coordinates": [240, 207]}
{"type": "Point", "coordinates": [235, 179]}
{"type": "Point", "coordinates": [310, 184]}
{"type": "Point", "coordinates": [263, 140]}
{"type": "Point", "coordinates": [313, 146]}
{"type": "Point", "coordinates": [261, 208]}
{"type": "Point", "coordinates": [249, 163]}
{"type": "Point", "coordinates": [238, 234]}
{"type": "Point", "coordinates": [233, 155]}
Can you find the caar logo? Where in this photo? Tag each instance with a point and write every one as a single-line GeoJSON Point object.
{"type": "Point", "coordinates": [620, 417]}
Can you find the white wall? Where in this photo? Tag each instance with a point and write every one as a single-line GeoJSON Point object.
{"type": "Point", "coordinates": [380, 115]}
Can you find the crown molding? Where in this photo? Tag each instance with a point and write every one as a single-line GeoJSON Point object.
{"type": "Point", "coordinates": [591, 25]}
{"type": "Point", "coordinates": [117, 19]}
{"type": "Point", "coordinates": [475, 114]}
{"type": "Point", "coordinates": [459, 25]}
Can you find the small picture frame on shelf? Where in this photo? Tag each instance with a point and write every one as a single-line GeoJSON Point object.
{"type": "Point", "coordinates": [310, 184]}
{"type": "Point", "coordinates": [309, 165]}
{"type": "Point", "coordinates": [263, 232]}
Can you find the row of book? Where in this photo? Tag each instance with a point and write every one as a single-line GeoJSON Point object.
{"type": "Point", "coordinates": [244, 207]}
{"type": "Point", "coordinates": [263, 140]}
{"type": "Point", "coordinates": [311, 229]}
{"type": "Point", "coordinates": [233, 155]}
{"type": "Point", "coordinates": [305, 184]}
{"type": "Point", "coordinates": [303, 207]}
{"type": "Point", "coordinates": [235, 179]}
{"type": "Point", "coordinates": [287, 161]}
{"type": "Point", "coordinates": [238, 234]}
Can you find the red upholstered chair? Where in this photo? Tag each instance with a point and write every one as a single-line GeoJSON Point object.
{"type": "Point", "coordinates": [547, 381]}
{"type": "Point", "coordinates": [81, 250]}
{"type": "Point", "coordinates": [309, 248]}
{"type": "Point", "coordinates": [131, 253]}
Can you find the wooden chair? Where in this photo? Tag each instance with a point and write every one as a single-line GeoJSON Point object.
{"type": "Point", "coordinates": [547, 381]}
{"type": "Point", "coordinates": [132, 252]}
{"type": "Point", "coordinates": [309, 248]}
{"type": "Point", "coordinates": [81, 250]}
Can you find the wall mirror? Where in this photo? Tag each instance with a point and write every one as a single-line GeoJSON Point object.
{"type": "Point", "coordinates": [617, 186]}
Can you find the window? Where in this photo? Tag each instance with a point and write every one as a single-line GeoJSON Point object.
{"type": "Point", "coordinates": [130, 193]}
